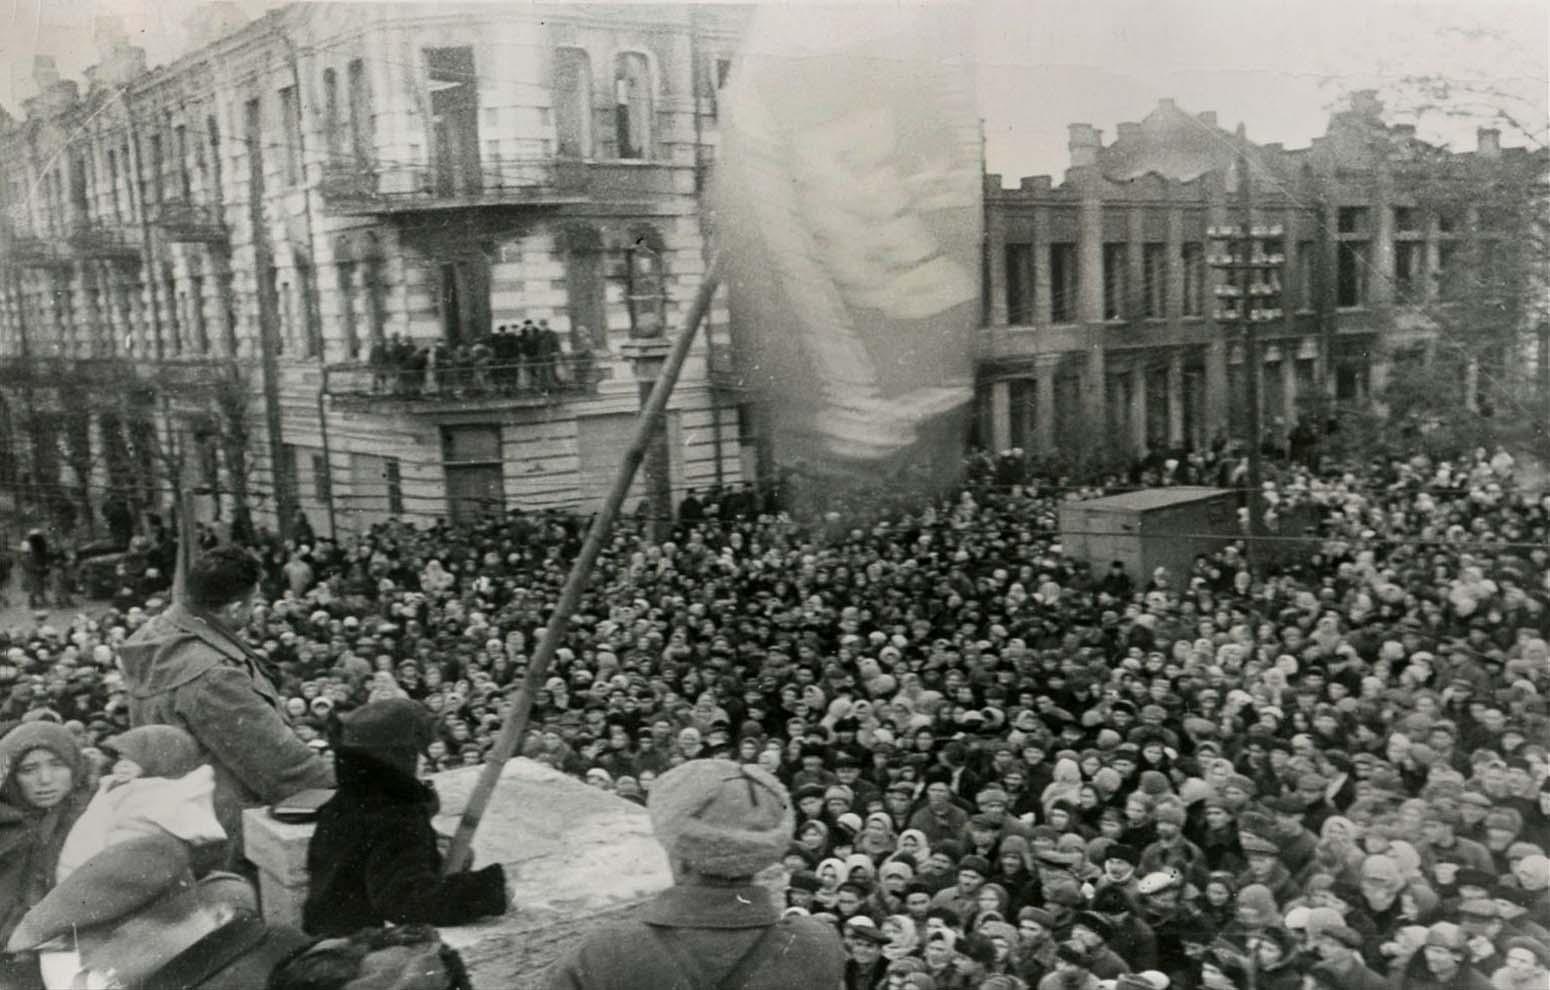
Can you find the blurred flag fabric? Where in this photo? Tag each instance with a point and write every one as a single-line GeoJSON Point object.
{"type": "Point", "coordinates": [847, 197]}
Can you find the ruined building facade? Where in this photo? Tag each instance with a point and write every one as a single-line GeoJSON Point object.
{"type": "Point", "coordinates": [1101, 329]}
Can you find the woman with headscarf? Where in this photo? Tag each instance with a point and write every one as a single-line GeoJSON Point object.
{"type": "Point", "coordinates": [1067, 785]}
{"type": "Point", "coordinates": [877, 839]}
{"type": "Point", "coordinates": [44, 786]}
{"type": "Point", "coordinates": [914, 842]}
{"type": "Point", "coordinates": [813, 835]}
{"type": "Point", "coordinates": [831, 873]}
{"type": "Point", "coordinates": [1012, 870]}
{"type": "Point", "coordinates": [903, 937]}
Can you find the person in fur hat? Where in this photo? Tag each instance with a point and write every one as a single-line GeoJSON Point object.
{"type": "Point", "coordinates": [373, 857]}
{"type": "Point", "coordinates": [721, 824]}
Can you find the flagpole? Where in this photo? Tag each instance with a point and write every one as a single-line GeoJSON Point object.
{"type": "Point", "coordinates": [518, 717]}
{"type": "Point", "coordinates": [185, 557]}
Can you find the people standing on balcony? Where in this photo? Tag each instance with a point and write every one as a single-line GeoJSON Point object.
{"type": "Point", "coordinates": [548, 355]}
{"type": "Point", "coordinates": [527, 352]}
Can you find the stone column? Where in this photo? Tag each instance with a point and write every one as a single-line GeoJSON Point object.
{"type": "Point", "coordinates": [1089, 248]}
{"type": "Point", "coordinates": [995, 246]}
{"type": "Point", "coordinates": [1135, 249]}
{"type": "Point", "coordinates": [1380, 285]}
{"type": "Point", "coordinates": [1094, 388]}
{"type": "Point", "coordinates": [1042, 286]}
{"type": "Point", "coordinates": [1176, 396]}
{"type": "Point", "coordinates": [1175, 252]}
{"type": "Point", "coordinates": [1044, 399]}
{"type": "Point", "coordinates": [1138, 375]}
{"type": "Point", "coordinates": [1216, 406]}
{"type": "Point", "coordinates": [1000, 416]}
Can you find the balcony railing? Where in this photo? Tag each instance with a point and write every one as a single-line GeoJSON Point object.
{"type": "Point", "coordinates": [191, 222]}
{"type": "Point", "coordinates": [435, 389]}
{"type": "Point", "coordinates": [100, 239]}
{"type": "Point", "coordinates": [350, 187]}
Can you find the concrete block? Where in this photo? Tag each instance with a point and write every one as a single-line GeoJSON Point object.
{"type": "Point", "coordinates": [575, 858]}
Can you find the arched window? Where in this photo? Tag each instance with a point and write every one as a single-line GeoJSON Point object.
{"type": "Point", "coordinates": [573, 103]}
{"type": "Point", "coordinates": [645, 275]}
{"type": "Point", "coordinates": [584, 290]}
{"type": "Point", "coordinates": [632, 105]}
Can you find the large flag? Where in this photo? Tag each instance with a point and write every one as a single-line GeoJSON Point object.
{"type": "Point", "coordinates": [848, 207]}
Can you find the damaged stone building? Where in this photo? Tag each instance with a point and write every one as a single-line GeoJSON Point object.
{"type": "Point", "coordinates": [1102, 328]}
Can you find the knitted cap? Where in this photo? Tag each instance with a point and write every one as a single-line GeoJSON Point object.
{"type": "Point", "coordinates": [1257, 897]}
{"type": "Point", "coordinates": [160, 750]}
{"type": "Point", "coordinates": [1169, 812]}
{"type": "Point", "coordinates": [1154, 783]}
{"type": "Point", "coordinates": [721, 818]}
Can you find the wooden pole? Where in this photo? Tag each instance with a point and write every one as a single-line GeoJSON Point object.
{"type": "Point", "coordinates": [517, 718]}
{"type": "Point", "coordinates": [185, 545]}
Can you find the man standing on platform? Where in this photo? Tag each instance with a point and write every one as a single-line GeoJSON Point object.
{"type": "Point", "coordinates": [720, 823]}
{"type": "Point", "coordinates": [187, 667]}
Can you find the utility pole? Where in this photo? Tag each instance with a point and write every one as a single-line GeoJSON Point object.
{"type": "Point", "coordinates": [1253, 290]}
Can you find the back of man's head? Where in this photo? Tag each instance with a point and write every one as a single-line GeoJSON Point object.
{"type": "Point", "coordinates": [222, 575]}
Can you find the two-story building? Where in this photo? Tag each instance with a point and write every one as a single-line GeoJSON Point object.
{"type": "Point", "coordinates": [1102, 330]}
{"type": "Point", "coordinates": [289, 213]}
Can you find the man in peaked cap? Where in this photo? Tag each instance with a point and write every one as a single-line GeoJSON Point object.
{"type": "Point", "coordinates": [135, 917]}
{"type": "Point", "coordinates": [720, 824]}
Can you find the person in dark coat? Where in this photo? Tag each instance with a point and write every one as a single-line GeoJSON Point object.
{"type": "Point", "coordinates": [188, 668]}
{"type": "Point", "coordinates": [721, 823]}
{"type": "Point", "coordinates": [36, 564]}
{"type": "Point", "coordinates": [373, 857]}
{"type": "Point", "coordinates": [1441, 964]}
{"type": "Point", "coordinates": [133, 916]}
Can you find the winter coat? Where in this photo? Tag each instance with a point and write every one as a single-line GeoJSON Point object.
{"type": "Point", "coordinates": [1416, 976]}
{"type": "Point", "coordinates": [1352, 974]}
{"type": "Point", "coordinates": [696, 937]}
{"type": "Point", "coordinates": [373, 857]}
{"type": "Point", "coordinates": [184, 670]}
{"type": "Point", "coordinates": [30, 838]}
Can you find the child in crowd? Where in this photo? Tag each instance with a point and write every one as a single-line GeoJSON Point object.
{"type": "Point", "coordinates": [374, 857]}
{"type": "Point", "coordinates": [157, 783]}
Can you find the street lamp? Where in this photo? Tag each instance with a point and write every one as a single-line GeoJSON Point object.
{"type": "Point", "coordinates": [1250, 296]}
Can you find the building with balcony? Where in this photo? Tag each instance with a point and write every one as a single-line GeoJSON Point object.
{"type": "Point", "coordinates": [1102, 329]}
{"type": "Point", "coordinates": [334, 182]}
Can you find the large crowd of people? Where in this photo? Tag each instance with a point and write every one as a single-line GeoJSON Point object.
{"type": "Point", "coordinates": [1010, 768]}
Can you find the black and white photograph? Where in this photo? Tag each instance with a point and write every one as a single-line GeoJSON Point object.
{"type": "Point", "coordinates": [886, 495]}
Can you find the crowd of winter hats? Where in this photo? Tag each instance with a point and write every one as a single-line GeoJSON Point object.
{"type": "Point", "coordinates": [1007, 767]}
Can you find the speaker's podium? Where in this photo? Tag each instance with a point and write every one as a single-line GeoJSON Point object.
{"type": "Point", "coordinates": [575, 857]}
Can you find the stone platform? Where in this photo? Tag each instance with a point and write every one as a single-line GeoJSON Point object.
{"type": "Point", "coordinates": [575, 857]}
